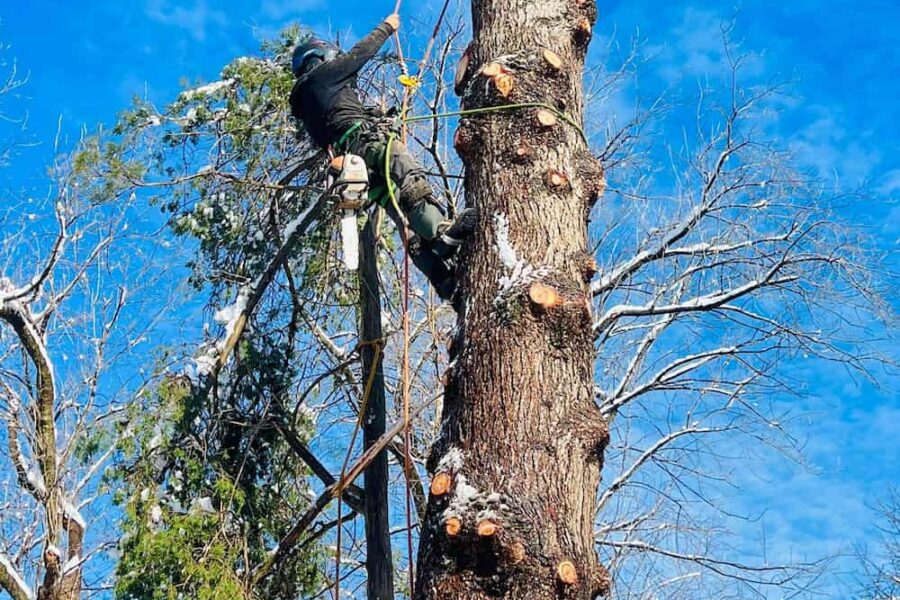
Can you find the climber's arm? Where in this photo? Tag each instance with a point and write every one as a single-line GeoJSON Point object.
{"type": "Point", "coordinates": [349, 64]}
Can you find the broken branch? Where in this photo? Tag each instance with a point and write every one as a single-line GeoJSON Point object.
{"type": "Point", "coordinates": [461, 69]}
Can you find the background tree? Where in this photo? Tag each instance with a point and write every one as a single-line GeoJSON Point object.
{"type": "Point", "coordinates": [215, 484]}
{"type": "Point", "coordinates": [881, 565]}
{"type": "Point", "coordinates": [74, 314]}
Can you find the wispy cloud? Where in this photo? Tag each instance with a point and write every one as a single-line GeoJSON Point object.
{"type": "Point", "coordinates": [196, 18]}
{"type": "Point", "coordinates": [834, 150]}
{"type": "Point", "coordinates": [278, 10]}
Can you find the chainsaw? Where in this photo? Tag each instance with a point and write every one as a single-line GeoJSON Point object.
{"type": "Point", "coordinates": [348, 186]}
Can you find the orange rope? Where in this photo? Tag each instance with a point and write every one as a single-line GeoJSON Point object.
{"type": "Point", "coordinates": [407, 458]}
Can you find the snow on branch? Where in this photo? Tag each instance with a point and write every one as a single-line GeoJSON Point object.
{"type": "Point", "coordinates": [774, 575]}
{"type": "Point", "coordinates": [637, 360]}
{"type": "Point", "coordinates": [668, 375]}
{"type": "Point", "coordinates": [236, 317]}
{"type": "Point", "coordinates": [28, 477]}
{"type": "Point", "coordinates": [73, 514]}
{"type": "Point", "coordinates": [206, 90]}
{"type": "Point", "coordinates": [32, 288]}
{"type": "Point", "coordinates": [698, 303]}
{"type": "Point", "coordinates": [13, 582]}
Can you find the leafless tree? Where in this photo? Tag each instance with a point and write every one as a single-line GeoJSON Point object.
{"type": "Point", "coordinates": [74, 312]}
{"type": "Point", "coordinates": [881, 563]}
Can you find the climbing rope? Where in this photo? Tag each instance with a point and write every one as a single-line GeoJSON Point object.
{"type": "Point", "coordinates": [410, 84]}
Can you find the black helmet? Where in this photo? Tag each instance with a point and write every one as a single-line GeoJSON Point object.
{"type": "Point", "coordinates": [302, 60]}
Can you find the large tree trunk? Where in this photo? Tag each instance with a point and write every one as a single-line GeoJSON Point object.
{"type": "Point", "coordinates": [522, 439]}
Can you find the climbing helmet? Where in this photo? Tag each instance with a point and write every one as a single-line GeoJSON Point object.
{"type": "Point", "coordinates": [309, 54]}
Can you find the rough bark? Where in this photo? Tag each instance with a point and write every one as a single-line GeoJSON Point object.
{"type": "Point", "coordinates": [379, 566]}
{"type": "Point", "coordinates": [521, 435]}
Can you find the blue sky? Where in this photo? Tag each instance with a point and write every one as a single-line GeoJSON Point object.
{"type": "Point", "coordinates": [87, 58]}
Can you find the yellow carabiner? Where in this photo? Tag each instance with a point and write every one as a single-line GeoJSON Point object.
{"type": "Point", "coordinates": [410, 81]}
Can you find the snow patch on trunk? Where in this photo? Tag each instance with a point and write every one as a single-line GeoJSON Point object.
{"type": "Point", "coordinates": [519, 272]}
{"type": "Point", "coordinates": [508, 255]}
{"type": "Point", "coordinates": [452, 461]}
{"type": "Point", "coordinates": [463, 497]}
{"type": "Point", "coordinates": [468, 499]}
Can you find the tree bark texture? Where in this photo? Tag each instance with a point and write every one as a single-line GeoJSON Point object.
{"type": "Point", "coordinates": [522, 438]}
{"type": "Point", "coordinates": [379, 565]}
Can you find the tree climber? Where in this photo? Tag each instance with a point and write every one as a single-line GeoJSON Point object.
{"type": "Point", "coordinates": [326, 99]}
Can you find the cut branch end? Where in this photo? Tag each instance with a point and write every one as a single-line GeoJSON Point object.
{"type": "Point", "coordinates": [440, 485]}
{"type": "Point", "coordinates": [453, 526]}
{"type": "Point", "coordinates": [584, 27]}
{"type": "Point", "coordinates": [552, 59]}
{"type": "Point", "coordinates": [516, 553]}
{"type": "Point", "coordinates": [504, 84]}
{"type": "Point", "coordinates": [556, 179]}
{"type": "Point", "coordinates": [567, 573]}
{"type": "Point", "coordinates": [545, 118]}
{"type": "Point", "coordinates": [544, 296]}
{"type": "Point", "coordinates": [487, 528]}
{"type": "Point", "coordinates": [492, 69]}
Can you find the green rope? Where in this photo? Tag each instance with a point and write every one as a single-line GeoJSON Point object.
{"type": "Point", "coordinates": [348, 133]}
{"type": "Point", "coordinates": [489, 109]}
{"type": "Point", "coordinates": [460, 113]}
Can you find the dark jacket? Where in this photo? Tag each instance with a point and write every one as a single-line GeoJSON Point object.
{"type": "Point", "coordinates": [326, 99]}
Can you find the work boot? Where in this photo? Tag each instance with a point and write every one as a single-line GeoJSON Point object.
{"type": "Point", "coordinates": [440, 272]}
{"type": "Point", "coordinates": [454, 233]}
